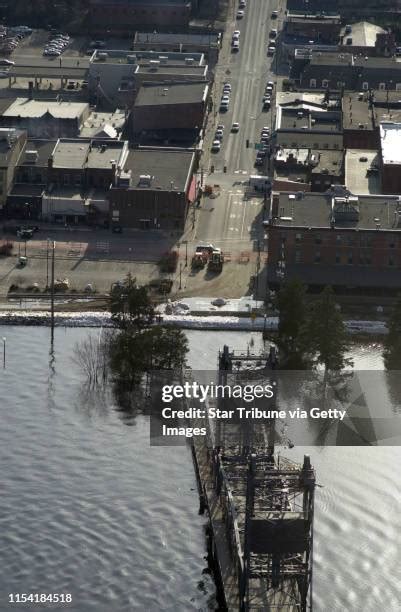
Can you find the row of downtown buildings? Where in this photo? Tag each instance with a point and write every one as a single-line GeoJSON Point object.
{"type": "Point", "coordinates": [335, 208]}
{"type": "Point", "coordinates": [339, 124]}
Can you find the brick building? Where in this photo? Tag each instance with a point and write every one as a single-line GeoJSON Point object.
{"type": "Point", "coordinates": [124, 16]}
{"type": "Point", "coordinates": [166, 110]}
{"type": "Point", "coordinates": [154, 189]}
{"type": "Point", "coordinates": [350, 242]}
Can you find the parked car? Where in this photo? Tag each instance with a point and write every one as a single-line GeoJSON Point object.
{"type": "Point", "coordinates": [216, 146]}
{"type": "Point", "coordinates": [97, 44]}
{"type": "Point", "coordinates": [6, 62]}
{"type": "Point", "coordinates": [274, 14]}
{"type": "Point", "coordinates": [240, 14]}
{"type": "Point", "coordinates": [219, 135]}
{"type": "Point", "coordinates": [235, 45]}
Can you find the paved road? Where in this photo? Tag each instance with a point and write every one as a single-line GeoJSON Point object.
{"type": "Point", "coordinates": [234, 219]}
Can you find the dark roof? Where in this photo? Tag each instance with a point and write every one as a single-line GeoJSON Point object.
{"type": "Point", "coordinates": [322, 121]}
{"type": "Point", "coordinates": [332, 161]}
{"type": "Point", "coordinates": [314, 210]}
{"type": "Point", "coordinates": [171, 93]}
{"type": "Point", "coordinates": [26, 190]}
{"type": "Point", "coordinates": [166, 166]}
{"type": "Point", "coordinates": [357, 111]}
{"type": "Point", "coordinates": [44, 149]}
{"type": "Point", "coordinates": [5, 103]}
{"type": "Point", "coordinates": [177, 38]}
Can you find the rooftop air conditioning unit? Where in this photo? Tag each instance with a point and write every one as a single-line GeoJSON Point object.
{"type": "Point", "coordinates": [163, 59]}
{"type": "Point", "coordinates": [31, 156]}
{"type": "Point", "coordinates": [145, 180]}
{"type": "Point", "coordinates": [102, 57]}
{"type": "Point", "coordinates": [189, 60]}
{"type": "Point", "coordinates": [131, 59]}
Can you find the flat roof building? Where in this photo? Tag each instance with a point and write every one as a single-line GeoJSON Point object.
{"type": "Point", "coordinates": [115, 77]}
{"type": "Point", "coordinates": [45, 118]}
{"type": "Point", "coordinates": [154, 188]}
{"type": "Point", "coordinates": [170, 111]}
{"type": "Point", "coordinates": [352, 242]}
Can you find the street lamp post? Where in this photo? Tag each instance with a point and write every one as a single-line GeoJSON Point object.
{"type": "Point", "coordinates": [180, 287]}
{"type": "Point", "coordinates": [4, 353]}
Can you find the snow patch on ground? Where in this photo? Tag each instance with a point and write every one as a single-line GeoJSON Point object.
{"type": "Point", "coordinates": [181, 318]}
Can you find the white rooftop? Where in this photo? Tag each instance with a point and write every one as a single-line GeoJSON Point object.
{"type": "Point", "coordinates": [24, 107]}
{"type": "Point", "coordinates": [103, 125]}
{"type": "Point", "coordinates": [390, 140]}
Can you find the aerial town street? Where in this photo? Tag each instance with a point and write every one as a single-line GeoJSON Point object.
{"type": "Point", "coordinates": [231, 221]}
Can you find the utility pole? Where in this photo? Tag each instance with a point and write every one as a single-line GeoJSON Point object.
{"type": "Point", "coordinates": [47, 264]}
{"type": "Point", "coordinates": [52, 291]}
{"type": "Point", "coordinates": [180, 287]}
{"type": "Point", "coordinates": [257, 272]}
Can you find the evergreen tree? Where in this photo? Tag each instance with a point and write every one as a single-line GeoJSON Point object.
{"type": "Point", "coordinates": [325, 334]}
{"type": "Point", "coordinates": [292, 318]}
{"type": "Point", "coordinates": [392, 342]}
{"type": "Point", "coordinates": [130, 305]}
{"type": "Point", "coordinates": [140, 346]}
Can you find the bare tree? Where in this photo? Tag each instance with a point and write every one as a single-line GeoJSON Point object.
{"type": "Point", "coordinates": [91, 355]}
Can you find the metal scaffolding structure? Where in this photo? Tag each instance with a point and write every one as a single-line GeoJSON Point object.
{"type": "Point", "coordinates": [260, 505]}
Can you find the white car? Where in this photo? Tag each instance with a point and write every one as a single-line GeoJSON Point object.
{"type": "Point", "coordinates": [236, 34]}
{"type": "Point", "coordinates": [235, 45]}
{"type": "Point", "coordinates": [216, 146]}
{"type": "Point", "coordinates": [240, 14]}
{"type": "Point", "coordinates": [219, 135]}
{"type": "Point", "coordinates": [225, 99]}
{"type": "Point", "coordinates": [242, 4]}
{"type": "Point", "coordinates": [220, 126]}
{"type": "Point", "coordinates": [235, 127]}
{"type": "Point", "coordinates": [6, 62]}
{"type": "Point", "coordinates": [271, 50]}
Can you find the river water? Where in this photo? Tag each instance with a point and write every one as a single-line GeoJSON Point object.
{"type": "Point", "coordinates": [87, 507]}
